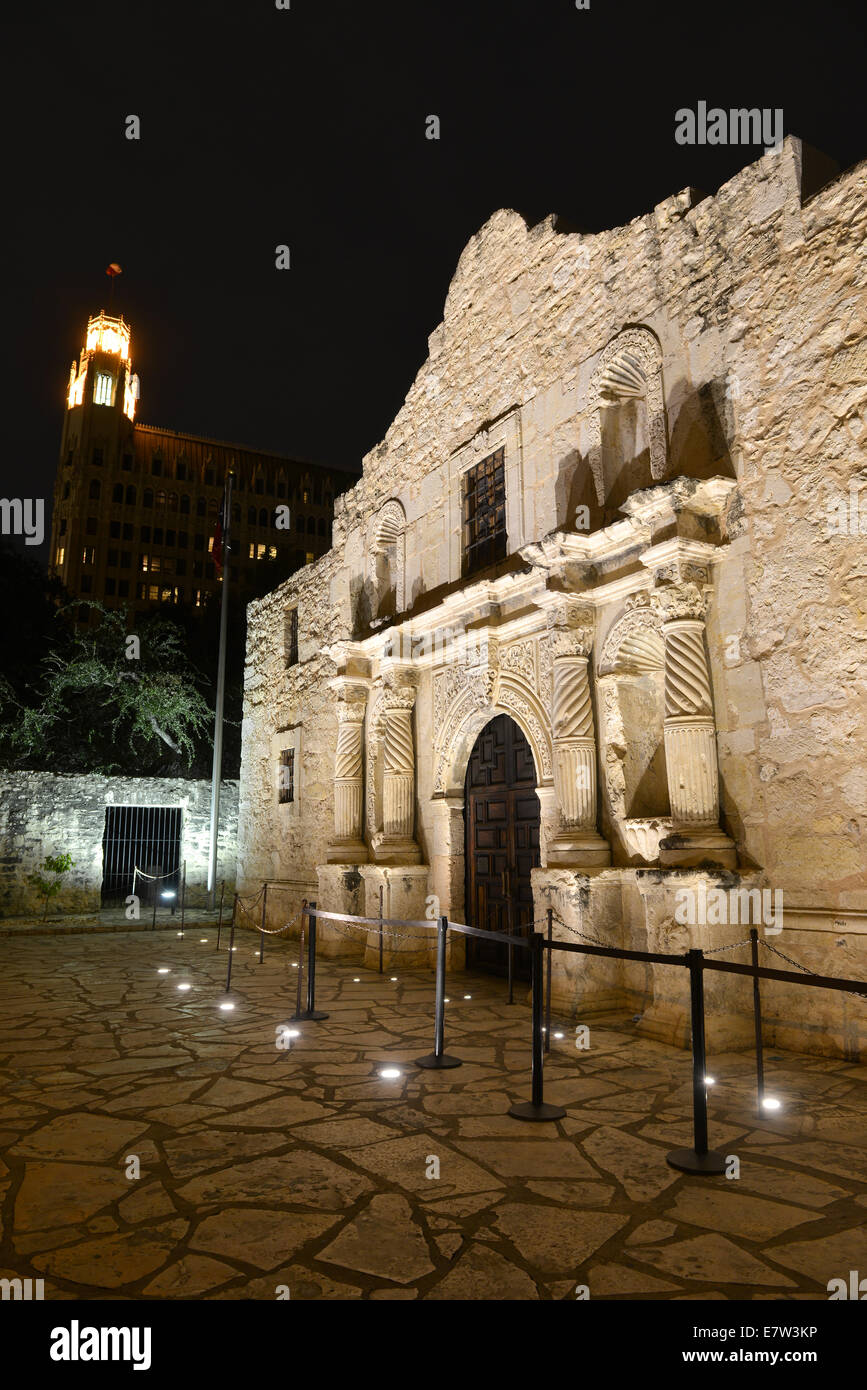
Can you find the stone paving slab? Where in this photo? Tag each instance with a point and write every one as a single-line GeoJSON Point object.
{"type": "Point", "coordinates": [300, 1166]}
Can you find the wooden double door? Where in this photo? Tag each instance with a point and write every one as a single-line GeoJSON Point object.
{"type": "Point", "coordinates": [502, 842]}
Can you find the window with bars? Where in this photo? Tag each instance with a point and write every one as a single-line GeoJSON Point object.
{"type": "Point", "coordinates": [484, 513]}
{"type": "Point", "coordinates": [286, 776]}
{"type": "Point", "coordinates": [290, 636]}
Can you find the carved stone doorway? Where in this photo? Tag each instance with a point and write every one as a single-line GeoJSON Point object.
{"type": "Point", "coordinates": [502, 842]}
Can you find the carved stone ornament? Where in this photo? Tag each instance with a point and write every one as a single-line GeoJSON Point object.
{"type": "Point", "coordinates": [675, 602]}
{"type": "Point", "coordinates": [571, 629]}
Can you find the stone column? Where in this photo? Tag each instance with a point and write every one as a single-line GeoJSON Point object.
{"type": "Point", "coordinates": [348, 845]}
{"type": "Point", "coordinates": [577, 843]}
{"type": "Point", "coordinates": [396, 845]}
{"type": "Point", "coordinates": [690, 733]}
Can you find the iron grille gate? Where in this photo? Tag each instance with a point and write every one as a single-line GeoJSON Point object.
{"type": "Point", "coordinates": [147, 836]}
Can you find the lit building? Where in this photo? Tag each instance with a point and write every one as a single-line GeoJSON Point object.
{"type": "Point", "coordinates": [135, 507]}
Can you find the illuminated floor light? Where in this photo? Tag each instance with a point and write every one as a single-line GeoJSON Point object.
{"type": "Point", "coordinates": [227, 1007]}
{"type": "Point", "coordinates": [184, 986]}
{"type": "Point", "coordinates": [468, 996]}
{"type": "Point", "coordinates": [390, 1073]}
{"type": "Point", "coordinates": [447, 1000]}
{"type": "Point", "coordinates": [203, 938]}
{"type": "Point", "coordinates": [163, 970]}
{"type": "Point", "coordinates": [356, 979]}
{"type": "Point", "coordinates": [771, 1103]}
{"type": "Point", "coordinates": [559, 1035]}
{"type": "Point", "coordinates": [710, 1081]}
{"type": "Point", "coordinates": [290, 1032]}
{"type": "Point", "coordinates": [394, 979]}
{"type": "Point", "coordinates": [180, 933]}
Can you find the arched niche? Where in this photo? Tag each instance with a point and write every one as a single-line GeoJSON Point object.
{"type": "Point", "coordinates": [631, 690]}
{"type": "Point", "coordinates": [388, 561]}
{"type": "Point", "coordinates": [626, 417]}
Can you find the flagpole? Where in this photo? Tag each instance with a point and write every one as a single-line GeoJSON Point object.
{"type": "Point", "coordinates": [217, 770]}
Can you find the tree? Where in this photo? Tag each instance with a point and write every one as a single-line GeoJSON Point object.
{"type": "Point", "coordinates": [56, 864]}
{"type": "Point", "coordinates": [100, 703]}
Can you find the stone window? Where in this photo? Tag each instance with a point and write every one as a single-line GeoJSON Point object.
{"type": "Point", "coordinates": [117, 492]}
{"type": "Point", "coordinates": [130, 496]}
{"type": "Point", "coordinates": [286, 776]}
{"type": "Point", "coordinates": [94, 488]}
{"type": "Point", "coordinates": [290, 636]}
{"type": "Point", "coordinates": [484, 513]}
{"type": "Point", "coordinates": [156, 466]}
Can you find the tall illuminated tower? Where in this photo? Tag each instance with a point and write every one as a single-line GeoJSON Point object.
{"type": "Point", "coordinates": [96, 447]}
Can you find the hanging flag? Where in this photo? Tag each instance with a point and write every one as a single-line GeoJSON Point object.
{"type": "Point", "coordinates": [221, 531]}
{"type": "Point", "coordinates": [114, 269]}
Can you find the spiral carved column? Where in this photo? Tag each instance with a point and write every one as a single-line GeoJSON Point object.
{"type": "Point", "coordinates": [690, 734]}
{"type": "Point", "coordinates": [396, 844]}
{"type": "Point", "coordinates": [577, 842]}
{"type": "Point", "coordinates": [348, 845]}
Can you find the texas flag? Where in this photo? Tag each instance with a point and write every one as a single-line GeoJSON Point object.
{"type": "Point", "coordinates": [221, 531]}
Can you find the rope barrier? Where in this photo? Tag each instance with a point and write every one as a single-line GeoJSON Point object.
{"type": "Point", "coordinates": [154, 877]}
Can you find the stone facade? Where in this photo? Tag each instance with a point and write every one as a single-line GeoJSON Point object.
{"type": "Point", "coordinates": [44, 813]}
{"type": "Point", "coordinates": [676, 623]}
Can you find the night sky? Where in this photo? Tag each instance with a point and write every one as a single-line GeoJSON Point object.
{"type": "Point", "coordinates": [307, 127]}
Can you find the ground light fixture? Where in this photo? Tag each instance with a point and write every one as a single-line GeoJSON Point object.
{"type": "Point", "coordinates": [390, 1073]}
{"type": "Point", "coordinates": [163, 970]}
{"type": "Point", "coordinates": [184, 986]}
{"type": "Point", "coordinates": [558, 1035]}
{"type": "Point", "coordinates": [227, 1007]}
{"type": "Point", "coordinates": [468, 996]}
{"type": "Point", "coordinates": [710, 1081]}
{"type": "Point", "coordinates": [771, 1103]}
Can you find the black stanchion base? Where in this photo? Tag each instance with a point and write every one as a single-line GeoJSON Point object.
{"type": "Point", "coordinates": [526, 1110]}
{"type": "Point", "coordinates": [313, 1015]}
{"type": "Point", "coordinates": [434, 1063]}
{"type": "Point", "coordinates": [688, 1161]}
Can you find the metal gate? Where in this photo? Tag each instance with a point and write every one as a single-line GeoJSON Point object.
{"type": "Point", "coordinates": [147, 837]}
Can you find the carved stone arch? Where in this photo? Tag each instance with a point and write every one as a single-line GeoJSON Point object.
{"type": "Point", "coordinates": [468, 715]}
{"type": "Point", "coordinates": [387, 559]}
{"type": "Point", "coordinates": [629, 368]}
{"type": "Point", "coordinates": [634, 645]}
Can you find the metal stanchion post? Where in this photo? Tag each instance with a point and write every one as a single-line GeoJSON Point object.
{"type": "Point", "coordinates": [231, 944]}
{"type": "Point", "coordinates": [220, 918]}
{"type": "Point", "coordinates": [757, 1015]}
{"type": "Point", "coordinates": [548, 981]}
{"type": "Point", "coordinates": [438, 1059]}
{"type": "Point", "coordinates": [298, 1014]}
{"type": "Point", "coordinates": [183, 895]}
{"type": "Point", "coordinates": [698, 1159]}
{"type": "Point", "coordinates": [262, 924]}
{"type": "Point", "coordinates": [154, 917]}
{"type": "Point", "coordinates": [537, 1109]}
{"type": "Point", "coordinates": [311, 1012]}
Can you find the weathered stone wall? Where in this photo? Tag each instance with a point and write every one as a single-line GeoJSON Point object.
{"type": "Point", "coordinates": [46, 814]}
{"type": "Point", "coordinates": [758, 300]}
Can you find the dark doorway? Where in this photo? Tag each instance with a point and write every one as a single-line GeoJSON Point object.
{"type": "Point", "coordinates": [147, 837]}
{"type": "Point", "coordinates": [502, 829]}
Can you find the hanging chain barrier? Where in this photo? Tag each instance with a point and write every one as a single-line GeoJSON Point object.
{"type": "Point", "coordinates": [853, 994]}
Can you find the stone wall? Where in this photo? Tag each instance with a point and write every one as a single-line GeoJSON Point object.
{"type": "Point", "coordinates": [757, 299]}
{"type": "Point", "coordinates": [42, 813]}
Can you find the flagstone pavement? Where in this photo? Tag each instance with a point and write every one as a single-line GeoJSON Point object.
{"type": "Point", "coordinates": [269, 1171]}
